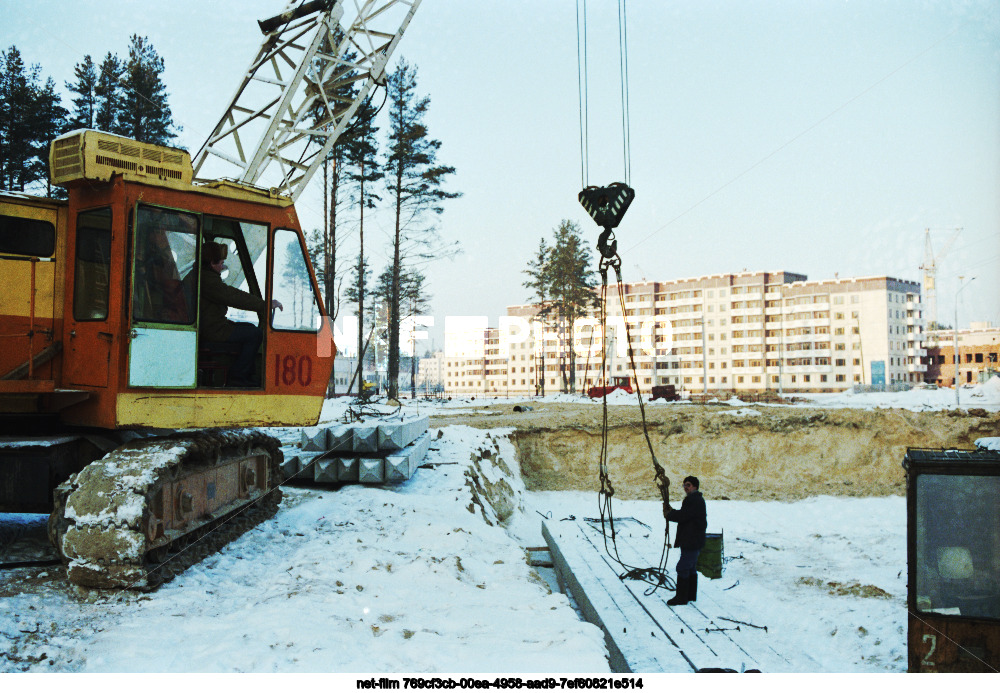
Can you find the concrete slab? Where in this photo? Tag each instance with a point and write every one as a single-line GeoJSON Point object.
{"type": "Point", "coordinates": [370, 470]}
{"type": "Point", "coordinates": [289, 467]}
{"type": "Point", "coordinates": [307, 461]}
{"type": "Point", "coordinates": [633, 646]}
{"type": "Point", "coordinates": [325, 470]}
{"type": "Point", "coordinates": [314, 439]}
{"type": "Point", "coordinates": [658, 637]}
{"type": "Point", "coordinates": [420, 447]}
{"type": "Point", "coordinates": [402, 465]}
{"type": "Point", "coordinates": [396, 435]}
{"type": "Point", "coordinates": [365, 438]}
{"type": "Point", "coordinates": [347, 468]}
{"type": "Point", "coordinates": [340, 438]}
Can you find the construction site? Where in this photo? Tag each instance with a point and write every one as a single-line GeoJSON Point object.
{"type": "Point", "coordinates": [181, 491]}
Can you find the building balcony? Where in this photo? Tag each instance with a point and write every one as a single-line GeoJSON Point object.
{"type": "Point", "coordinates": [916, 352]}
{"type": "Point", "coordinates": [807, 369]}
{"type": "Point", "coordinates": [916, 367]}
{"type": "Point", "coordinates": [807, 353]}
{"type": "Point", "coordinates": [807, 322]}
{"type": "Point", "coordinates": [746, 340]}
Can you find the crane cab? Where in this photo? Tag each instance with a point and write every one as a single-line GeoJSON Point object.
{"type": "Point", "coordinates": [953, 558]}
{"type": "Point", "coordinates": [128, 263]}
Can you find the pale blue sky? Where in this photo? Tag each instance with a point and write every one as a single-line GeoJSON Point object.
{"type": "Point", "coordinates": [816, 136]}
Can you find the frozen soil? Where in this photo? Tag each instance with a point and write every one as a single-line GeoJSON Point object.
{"type": "Point", "coordinates": [738, 452]}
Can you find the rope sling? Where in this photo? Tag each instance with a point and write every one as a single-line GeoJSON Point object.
{"type": "Point", "coordinates": [607, 205]}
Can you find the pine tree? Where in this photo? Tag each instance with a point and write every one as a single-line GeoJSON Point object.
{"type": "Point", "coordinates": [15, 102]}
{"type": "Point", "coordinates": [109, 95]}
{"type": "Point", "coordinates": [414, 180]}
{"type": "Point", "coordinates": [48, 121]}
{"type": "Point", "coordinates": [541, 293]}
{"type": "Point", "coordinates": [31, 116]}
{"type": "Point", "coordinates": [361, 159]}
{"type": "Point", "coordinates": [84, 113]}
{"type": "Point", "coordinates": [571, 279]}
{"type": "Point", "coordinates": [146, 115]}
{"type": "Point", "coordinates": [562, 281]}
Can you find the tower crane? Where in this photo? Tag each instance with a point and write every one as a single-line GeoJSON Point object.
{"type": "Point", "coordinates": [930, 271]}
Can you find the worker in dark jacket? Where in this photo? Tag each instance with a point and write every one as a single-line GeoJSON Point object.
{"type": "Point", "coordinates": [215, 299]}
{"type": "Point", "coordinates": [692, 521]}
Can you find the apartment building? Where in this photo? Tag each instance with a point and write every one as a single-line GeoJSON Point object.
{"type": "Point", "coordinates": [749, 332]}
{"type": "Point", "coordinates": [978, 354]}
{"type": "Point", "coordinates": [430, 373]}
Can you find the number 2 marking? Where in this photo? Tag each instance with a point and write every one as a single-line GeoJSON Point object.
{"type": "Point", "coordinates": [932, 639]}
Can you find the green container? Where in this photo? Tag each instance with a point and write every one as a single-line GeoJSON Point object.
{"type": "Point", "coordinates": [710, 558]}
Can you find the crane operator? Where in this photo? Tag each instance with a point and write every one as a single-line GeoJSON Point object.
{"type": "Point", "coordinates": [216, 297]}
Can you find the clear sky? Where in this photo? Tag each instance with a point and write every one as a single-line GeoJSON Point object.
{"type": "Point", "coordinates": [815, 136]}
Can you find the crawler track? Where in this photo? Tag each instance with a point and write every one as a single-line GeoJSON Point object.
{"type": "Point", "coordinates": [152, 508]}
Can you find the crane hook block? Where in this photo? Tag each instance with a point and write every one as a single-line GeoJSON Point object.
{"type": "Point", "coordinates": [607, 205]}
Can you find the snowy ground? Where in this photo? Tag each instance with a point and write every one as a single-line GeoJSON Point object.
{"type": "Point", "coordinates": [405, 579]}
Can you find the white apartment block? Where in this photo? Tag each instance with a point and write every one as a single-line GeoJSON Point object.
{"type": "Point", "coordinates": [720, 334]}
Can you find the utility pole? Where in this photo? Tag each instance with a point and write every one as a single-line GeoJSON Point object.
{"type": "Point", "coordinates": [781, 338]}
{"type": "Point", "coordinates": [704, 358]}
{"type": "Point", "coordinates": [957, 359]}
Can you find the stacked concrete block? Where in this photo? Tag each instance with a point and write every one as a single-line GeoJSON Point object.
{"type": "Point", "coordinates": [347, 469]}
{"type": "Point", "coordinates": [370, 470]}
{"type": "Point", "coordinates": [369, 452]}
{"type": "Point", "coordinates": [340, 438]}
{"type": "Point", "coordinates": [397, 435]}
{"type": "Point", "coordinates": [325, 470]}
{"type": "Point", "coordinates": [365, 437]}
{"type": "Point", "coordinates": [401, 466]}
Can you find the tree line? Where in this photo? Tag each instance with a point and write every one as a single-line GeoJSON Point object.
{"type": "Point", "coordinates": [121, 96]}
{"type": "Point", "coordinates": [397, 171]}
{"type": "Point", "coordinates": [562, 283]}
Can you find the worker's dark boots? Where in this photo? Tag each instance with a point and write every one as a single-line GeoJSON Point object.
{"type": "Point", "coordinates": [692, 593]}
{"type": "Point", "coordinates": [682, 592]}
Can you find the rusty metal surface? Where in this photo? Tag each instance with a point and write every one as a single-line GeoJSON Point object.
{"type": "Point", "coordinates": [950, 645]}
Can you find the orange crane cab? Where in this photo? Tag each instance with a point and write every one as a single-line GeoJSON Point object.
{"type": "Point", "coordinates": [130, 293]}
{"type": "Point", "coordinates": [100, 295]}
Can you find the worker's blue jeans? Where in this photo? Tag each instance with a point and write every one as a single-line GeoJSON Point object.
{"type": "Point", "coordinates": [688, 561]}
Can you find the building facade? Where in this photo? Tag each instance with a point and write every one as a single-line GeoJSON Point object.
{"type": "Point", "coordinates": [751, 332]}
{"type": "Point", "coordinates": [978, 354]}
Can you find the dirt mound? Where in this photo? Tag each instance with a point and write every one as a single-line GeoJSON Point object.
{"type": "Point", "coordinates": [742, 453]}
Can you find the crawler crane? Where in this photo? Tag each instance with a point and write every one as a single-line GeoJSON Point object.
{"type": "Point", "coordinates": [116, 416]}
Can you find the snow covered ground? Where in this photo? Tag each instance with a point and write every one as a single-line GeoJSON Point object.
{"type": "Point", "coordinates": [404, 578]}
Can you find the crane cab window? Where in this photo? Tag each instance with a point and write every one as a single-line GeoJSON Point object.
{"type": "Point", "coordinates": [246, 264]}
{"type": "Point", "coordinates": [32, 237]}
{"type": "Point", "coordinates": [165, 251]}
{"type": "Point", "coordinates": [293, 285]}
{"type": "Point", "coordinates": [958, 545]}
{"type": "Point", "coordinates": [92, 274]}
